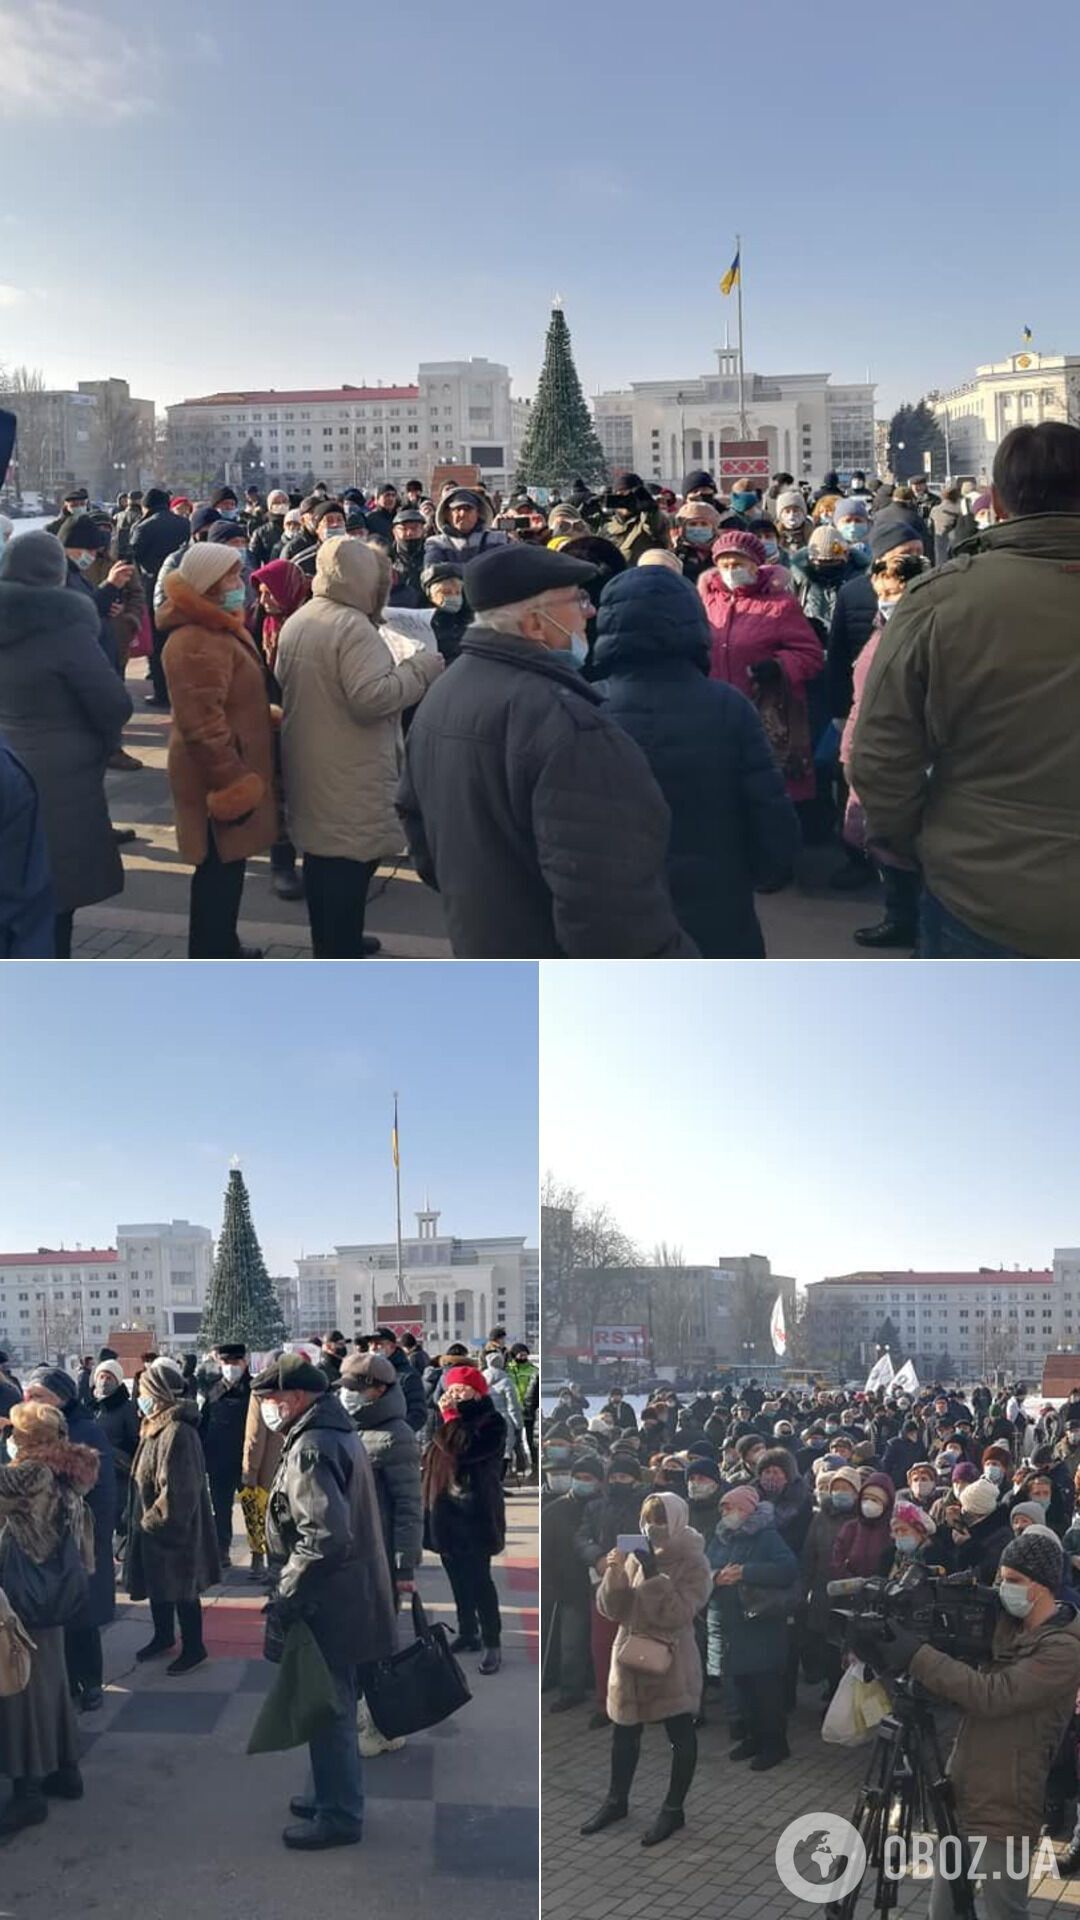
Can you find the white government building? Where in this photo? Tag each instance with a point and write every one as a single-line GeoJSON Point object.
{"type": "Point", "coordinates": [456, 411]}
{"type": "Point", "coordinates": [1022, 391]}
{"type": "Point", "coordinates": [662, 428]}
{"type": "Point", "coordinates": [994, 1317]}
{"type": "Point", "coordinates": [464, 1286]}
{"type": "Point", "coordinates": [59, 1300]}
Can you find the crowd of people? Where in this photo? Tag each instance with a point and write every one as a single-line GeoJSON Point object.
{"type": "Point", "coordinates": [601, 725]}
{"type": "Point", "coordinates": [686, 1557]}
{"type": "Point", "coordinates": [348, 1462]}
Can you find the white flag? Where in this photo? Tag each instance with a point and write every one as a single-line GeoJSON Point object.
{"type": "Point", "coordinates": [777, 1328]}
{"type": "Point", "coordinates": [907, 1380]}
{"type": "Point", "coordinates": [880, 1374]}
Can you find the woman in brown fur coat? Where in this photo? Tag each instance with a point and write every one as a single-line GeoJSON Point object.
{"type": "Point", "coordinates": [172, 1553]}
{"type": "Point", "coordinates": [221, 764]}
{"type": "Point", "coordinates": [42, 1500]}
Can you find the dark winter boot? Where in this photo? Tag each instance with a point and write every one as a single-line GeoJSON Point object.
{"type": "Point", "coordinates": [491, 1661]}
{"type": "Point", "coordinates": [190, 1658]}
{"type": "Point", "coordinates": [745, 1750]}
{"type": "Point", "coordinates": [667, 1822]}
{"type": "Point", "coordinates": [887, 933]}
{"type": "Point", "coordinates": [27, 1807]}
{"type": "Point", "coordinates": [258, 1566]}
{"type": "Point", "coordinates": [155, 1647]}
{"type": "Point", "coordinates": [465, 1643]}
{"type": "Point", "coordinates": [65, 1784]}
{"type": "Point", "coordinates": [606, 1816]}
{"type": "Point", "coordinates": [770, 1757]}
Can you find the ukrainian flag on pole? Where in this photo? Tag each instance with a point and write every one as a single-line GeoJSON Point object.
{"type": "Point", "coordinates": [394, 1137]}
{"type": "Point", "coordinates": [731, 277]}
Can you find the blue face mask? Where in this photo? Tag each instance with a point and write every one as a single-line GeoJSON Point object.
{"type": "Point", "coordinates": [146, 1405]}
{"type": "Point", "coordinates": [742, 502]}
{"type": "Point", "coordinates": [233, 600]}
{"type": "Point", "coordinates": [581, 1489]}
{"type": "Point", "coordinates": [842, 1502]}
{"type": "Point", "coordinates": [451, 603]}
{"type": "Point", "coordinates": [698, 536]}
{"type": "Point", "coordinates": [852, 532]}
{"type": "Point", "coordinates": [906, 1543]}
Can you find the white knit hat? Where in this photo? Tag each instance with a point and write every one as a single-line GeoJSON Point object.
{"type": "Point", "coordinates": [112, 1368]}
{"type": "Point", "coordinates": [978, 1498]}
{"type": "Point", "coordinates": [204, 565]}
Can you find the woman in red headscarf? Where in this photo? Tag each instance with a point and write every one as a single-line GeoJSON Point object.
{"type": "Point", "coordinates": [464, 1508]}
{"type": "Point", "coordinates": [281, 586]}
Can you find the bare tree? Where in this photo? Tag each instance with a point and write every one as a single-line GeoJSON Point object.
{"type": "Point", "coordinates": [587, 1264]}
{"type": "Point", "coordinates": [679, 1312]}
{"type": "Point", "coordinates": [751, 1307]}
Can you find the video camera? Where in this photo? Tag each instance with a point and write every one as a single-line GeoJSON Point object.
{"type": "Point", "coordinates": [951, 1612]}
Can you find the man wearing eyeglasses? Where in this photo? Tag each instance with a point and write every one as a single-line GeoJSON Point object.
{"type": "Point", "coordinates": [534, 816]}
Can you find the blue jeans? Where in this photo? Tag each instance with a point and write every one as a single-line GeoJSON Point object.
{"type": "Point", "coordinates": [943, 937]}
{"type": "Point", "coordinates": [336, 1782]}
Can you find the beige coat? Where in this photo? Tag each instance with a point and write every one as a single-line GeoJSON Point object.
{"type": "Point", "coordinates": [343, 697]}
{"type": "Point", "coordinates": [662, 1608]}
{"type": "Point", "coordinates": [262, 1448]}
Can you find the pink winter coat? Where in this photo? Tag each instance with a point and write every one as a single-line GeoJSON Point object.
{"type": "Point", "coordinates": [762, 622]}
{"type": "Point", "coordinates": [856, 829]}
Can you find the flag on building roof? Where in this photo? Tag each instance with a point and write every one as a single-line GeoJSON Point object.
{"type": "Point", "coordinates": [731, 277]}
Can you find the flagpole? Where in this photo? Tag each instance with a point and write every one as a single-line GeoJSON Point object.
{"type": "Point", "coordinates": [742, 385]}
{"type": "Point", "coordinates": [397, 1183]}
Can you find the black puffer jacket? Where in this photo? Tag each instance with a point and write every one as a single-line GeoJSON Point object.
{"type": "Point", "coordinates": [266, 540]}
{"type": "Point", "coordinates": [154, 538]}
{"type": "Point", "coordinates": [470, 1517]}
{"type": "Point", "coordinates": [395, 1456]}
{"type": "Point", "coordinates": [117, 1418]}
{"type": "Point", "coordinates": [853, 617]}
{"type": "Point", "coordinates": [732, 825]}
{"type": "Point", "coordinates": [533, 814]}
{"type": "Point", "coordinates": [323, 1536]}
{"type": "Point", "coordinates": [412, 1388]}
{"type": "Point", "coordinates": [221, 1424]}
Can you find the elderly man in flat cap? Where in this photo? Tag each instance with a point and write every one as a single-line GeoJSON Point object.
{"type": "Point", "coordinates": [325, 1546]}
{"type": "Point", "coordinates": [535, 816]}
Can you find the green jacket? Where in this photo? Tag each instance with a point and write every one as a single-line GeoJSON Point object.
{"type": "Point", "coordinates": [965, 749]}
{"type": "Point", "coordinates": [522, 1373]}
{"type": "Point", "coordinates": [634, 537]}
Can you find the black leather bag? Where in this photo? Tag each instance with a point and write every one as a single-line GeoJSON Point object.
{"type": "Point", "coordinates": [49, 1593]}
{"type": "Point", "coordinates": [417, 1687]}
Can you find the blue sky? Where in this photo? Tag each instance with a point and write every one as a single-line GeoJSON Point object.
{"type": "Point", "coordinates": [127, 1089]}
{"type": "Point", "coordinates": [832, 1116]}
{"type": "Point", "coordinates": [207, 197]}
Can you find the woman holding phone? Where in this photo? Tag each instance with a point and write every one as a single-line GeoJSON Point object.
{"type": "Point", "coordinates": [653, 1586]}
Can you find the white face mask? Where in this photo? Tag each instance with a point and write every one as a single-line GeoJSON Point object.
{"type": "Point", "coordinates": [231, 1374]}
{"type": "Point", "coordinates": [273, 1415]}
{"type": "Point", "coordinates": [735, 578]}
{"type": "Point", "coordinates": [351, 1400]}
{"type": "Point", "coordinates": [732, 1521]}
{"type": "Point", "coordinates": [871, 1509]}
{"type": "Point", "coordinates": [1016, 1599]}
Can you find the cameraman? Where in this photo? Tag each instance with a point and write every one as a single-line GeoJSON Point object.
{"type": "Point", "coordinates": [1015, 1711]}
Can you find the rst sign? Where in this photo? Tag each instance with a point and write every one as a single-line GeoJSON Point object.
{"type": "Point", "coordinates": [624, 1343]}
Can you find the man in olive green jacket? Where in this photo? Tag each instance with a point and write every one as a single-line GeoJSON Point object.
{"type": "Point", "coordinates": [965, 750]}
{"type": "Point", "coordinates": [1015, 1709]}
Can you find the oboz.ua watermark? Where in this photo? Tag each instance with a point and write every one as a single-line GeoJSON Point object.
{"type": "Point", "coordinates": [821, 1858]}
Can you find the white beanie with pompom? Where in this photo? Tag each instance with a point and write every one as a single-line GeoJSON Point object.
{"type": "Point", "coordinates": [204, 565]}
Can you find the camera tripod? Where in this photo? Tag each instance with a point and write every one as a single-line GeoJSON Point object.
{"type": "Point", "coordinates": [905, 1790]}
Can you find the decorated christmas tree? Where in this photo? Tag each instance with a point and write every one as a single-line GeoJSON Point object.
{"type": "Point", "coordinates": [560, 442]}
{"type": "Point", "coordinates": [241, 1303]}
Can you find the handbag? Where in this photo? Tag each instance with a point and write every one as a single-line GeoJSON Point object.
{"type": "Point", "coordinates": [16, 1650]}
{"type": "Point", "coordinates": [642, 1654]}
{"type": "Point", "coordinates": [45, 1593]}
{"type": "Point", "coordinates": [766, 1603]}
{"type": "Point", "coordinates": [417, 1687]}
{"type": "Point", "coordinates": [303, 1698]}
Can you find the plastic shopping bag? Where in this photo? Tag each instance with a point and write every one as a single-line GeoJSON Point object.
{"type": "Point", "coordinates": [855, 1708]}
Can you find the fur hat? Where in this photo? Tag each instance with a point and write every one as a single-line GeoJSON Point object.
{"type": "Point", "coordinates": [978, 1499]}
{"type": "Point", "coordinates": [204, 565]}
{"type": "Point", "coordinates": [997, 1452]}
{"type": "Point", "coordinates": [34, 560]}
{"type": "Point", "coordinates": [204, 517]}
{"type": "Point", "coordinates": [733, 540]}
{"type": "Point", "coordinates": [33, 1420]}
{"type": "Point", "coordinates": [1037, 1552]}
{"type": "Point", "coordinates": [85, 533]}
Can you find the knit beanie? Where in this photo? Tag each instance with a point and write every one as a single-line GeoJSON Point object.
{"type": "Point", "coordinates": [163, 1380]}
{"type": "Point", "coordinates": [113, 1369]}
{"type": "Point", "coordinates": [661, 557]}
{"type": "Point", "coordinates": [733, 540]}
{"type": "Point", "coordinates": [34, 560]}
{"type": "Point", "coordinates": [204, 517]}
{"type": "Point", "coordinates": [1037, 1552]}
{"type": "Point", "coordinates": [851, 1476]}
{"type": "Point", "coordinates": [825, 544]}
{"type": "Point", "coordinates": [978, 1498]}
{"type": "Point", "coordinates": [203, 566]}
{"type": "Point", "coordinates": [588, 1463]}
{"type": "Point", "coordinates": [964, 1472]}
{"type": "Point", "coordinates": [464, 1377]}
{"type": "Point", "coordinates": [625, 1463]}
{"type": "Point", "coordinates": [698, 509]}
{"type": "Point", "coordinates": [791, 497]}
{"type": "Point", "coordinates": [743, 1499]}
{"type": "Point", "coordinates": [698, 1467]}
{"type": "Point", "coordinates": [86, 534]}
{"type": "Point", "coordinates": [1027, 1510]}
{"type": "Point", "coordinates": [224, 530]}
{"type": "Point", "coordinates": [54, 1380]}
{"type": "Point", "coordinates": [996, 1452]}
{"type": "Point", "coordinates": [907, 1513]}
